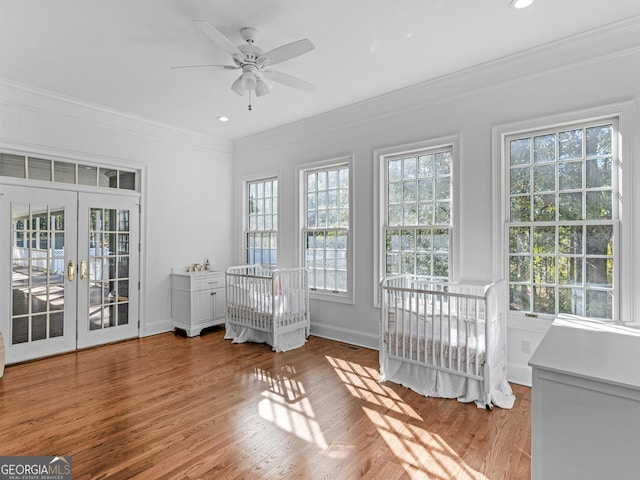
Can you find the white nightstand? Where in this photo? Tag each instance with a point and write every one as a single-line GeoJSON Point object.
{"type": "Point", "coordinates": [197, 300]}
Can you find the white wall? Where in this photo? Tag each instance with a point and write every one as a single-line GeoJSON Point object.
{"type": "Point", "coordinates": [597, 69]}
{"type": "Point", "coordinates": [186, 179]}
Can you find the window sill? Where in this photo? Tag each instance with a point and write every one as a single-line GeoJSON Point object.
{"type": "Point", "coordinates": [327, 296]}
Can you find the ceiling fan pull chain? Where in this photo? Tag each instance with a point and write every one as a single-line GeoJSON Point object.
{"type": "Point", "coordinates": [249, 100]}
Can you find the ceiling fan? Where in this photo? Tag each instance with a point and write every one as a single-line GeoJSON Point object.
{"type": "Point", "coordinates": [254, 62]}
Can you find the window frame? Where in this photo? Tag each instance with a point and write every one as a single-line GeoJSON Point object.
{"type": "Point", "coordinates": [246, 228]}
{"type": "Point", "coordinates": [553, 259]}
{"type": "Point", "coordinates": [380, 158]}
{"type": "Point", "coordinates": [624, 113]}
{"type": "Point", "coordinates": [301, 179]}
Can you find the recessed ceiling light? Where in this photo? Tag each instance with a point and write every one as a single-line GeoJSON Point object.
{"type": "Point", "coordinates": [223, 118]}
{"type": "Point", "coordinates": [520, 3]}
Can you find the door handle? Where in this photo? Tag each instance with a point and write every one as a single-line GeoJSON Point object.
{"type": "Point", "coordinates": [71, 271]}
{"type": "Point", "coordinates": [83, 269]}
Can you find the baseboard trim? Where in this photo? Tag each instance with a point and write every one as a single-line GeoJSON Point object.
{"type": "Point", "coordinates": [345, 335]}
{"type": "Point", "coordinates": [148, 329]}
{"type": "Point", "coordinates": [520, 374]}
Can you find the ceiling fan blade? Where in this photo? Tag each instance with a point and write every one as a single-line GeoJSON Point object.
{"type": "Point", "coordinates": [286, 52]}
{"type": "Point", "coordinates": [218, 38]}
{"type": "Point", "coordinates": [212, 67]}
{"type": "Point", "coordinates": [289, 80]}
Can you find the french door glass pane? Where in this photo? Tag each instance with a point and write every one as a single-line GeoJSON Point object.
{"type": "Point", "coordinates": [108, 268]}
{"type": "Point", "coordinates": [38, 269]}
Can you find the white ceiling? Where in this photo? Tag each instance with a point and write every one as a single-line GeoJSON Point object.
{"type": "Point", "coordinates": [117, 53]}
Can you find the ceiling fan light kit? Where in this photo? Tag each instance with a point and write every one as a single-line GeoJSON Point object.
{"type": "Point", "coordinates": [253, 60]}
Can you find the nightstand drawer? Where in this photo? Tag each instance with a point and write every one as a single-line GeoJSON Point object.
{"type": "Point", "coordinates": [208, 282]}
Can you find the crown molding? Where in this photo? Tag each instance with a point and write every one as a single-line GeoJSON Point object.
{"type": "Point", "coordinates": [611, 41]}
{"type": "Point", "coordinates": [28, 97]}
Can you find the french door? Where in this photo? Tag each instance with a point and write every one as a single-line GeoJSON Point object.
{"type": "Point", "coordinates": [68, 270]}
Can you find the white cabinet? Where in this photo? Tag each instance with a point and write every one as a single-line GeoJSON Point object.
{"type": "Point", "coordinates": [197, 300]}
{"type": "Point", "coordinates": [585, 410]}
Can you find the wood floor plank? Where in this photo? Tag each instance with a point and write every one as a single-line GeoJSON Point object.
{"type": "Point", "coordinates": [170, 407]}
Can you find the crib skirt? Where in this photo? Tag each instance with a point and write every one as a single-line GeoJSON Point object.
{"type": "Point", "coordinates": [286, 341]}
{"type": "Point", "coordinates": [437, 383]}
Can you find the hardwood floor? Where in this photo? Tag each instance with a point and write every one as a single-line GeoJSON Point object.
{"type": "Point", "coordinates": [170, 407]}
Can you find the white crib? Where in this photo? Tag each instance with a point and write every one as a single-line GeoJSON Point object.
{"type": "Point", "coordinates": [445, 340]}
{"type": "Point", "coordinates": [266, 306]}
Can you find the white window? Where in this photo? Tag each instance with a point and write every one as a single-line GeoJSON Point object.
{"type": "Point", "coordinates": [417, 230]}
{"type": "Point", "coordinates": [67, 171]}
{"type": "Point", "coordinates": [562, 220]}
{"type": "Point", "coordinates": [261, 231]}
{"type": "Point", "coordinates": [326, 238]}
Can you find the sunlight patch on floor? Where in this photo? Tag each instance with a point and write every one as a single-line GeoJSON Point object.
{"type": "Point", "coordinates": [362, 382]}
{"type": "Point", "coordinates": [286, 405]}
{"type": "Point", "coordinates": [421, 453]}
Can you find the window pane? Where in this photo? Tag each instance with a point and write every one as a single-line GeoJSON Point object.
{"type": "Point", "coordinates": [599, 240]}
{"type": "Point", "coordinates": [443, 188]}
{"type": "Point", "coordinates": [64, 172]}
{"type": "Point", "coordinates": [87, 175]}
{"type": "Point", "coordinates": [12, 165]}
{"type": "Point", "coordinates": [544, 269]}
{"type": "Point", "coordinates": [409, 168]}
{"type": "Point", "coordinates": [570, 270]}
{"type": "Point", "coordinates": [544, 207]}
{"type": "Point", "coordinates": [395, 215]}
{"type": "Point", "coordinates": [599, 140]}
{"type": "Point", "coordinates": [570, 206]}
{"type": "Point", "coordinates": [425, 190]}
{"type": "Point", "coordinates": [599, 205]}
{"type": "Point", "coordinates": [520, 152]}
{"type": "Point", "coordinates": [410, 214]}
{"type": "Point", "coordinates": [571, 301]}
{"type": "Point", "coordinates": [127, 181]}
{"type": "Point", "coordinates": [394, 169]}
{"type": "Point", "coordinates": [599, 173]}
{"type": "Point", "coordinates": [395, 192]}
{"type": "Point", "coordinates": [569, 175]}
{"type": "Point", "coordinates": [544, 299]}
{"type": "Point", "coordinates": [570, 240]}
{"type": "Point", "coordinates": [544, 239]}
{"type": "Point", "coordinates": [519, 269]}
{"type": "Point", "coordinates": [425, 214]}
{"type": "Point", "coordinates": [519, 240]}
{"type": "Point", "coordinates": [570, 144]}
{"type": "Point", "coordinates": [520, 209]}
{"type": "Point", "coordinates": [519, 297]}
{"type": "Point", "coordinates": [520, 180]}
{"type": "Point", "coordinates": [39, 169]}
{"type": "Point", "coordinates": [426, 166]}
{"type": "Point", "coordinates": [544, 178]}
{"type": "Point", "coordinates": [409, 190]}
{"type": "Point", "coordinates": [544, 148]}
{"type": "Point", "coordinates": [443, 163]}
{"type": "Point", "coordinates": [599, 304]}
{"type": "Point", "coordinates": [107, 177]}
